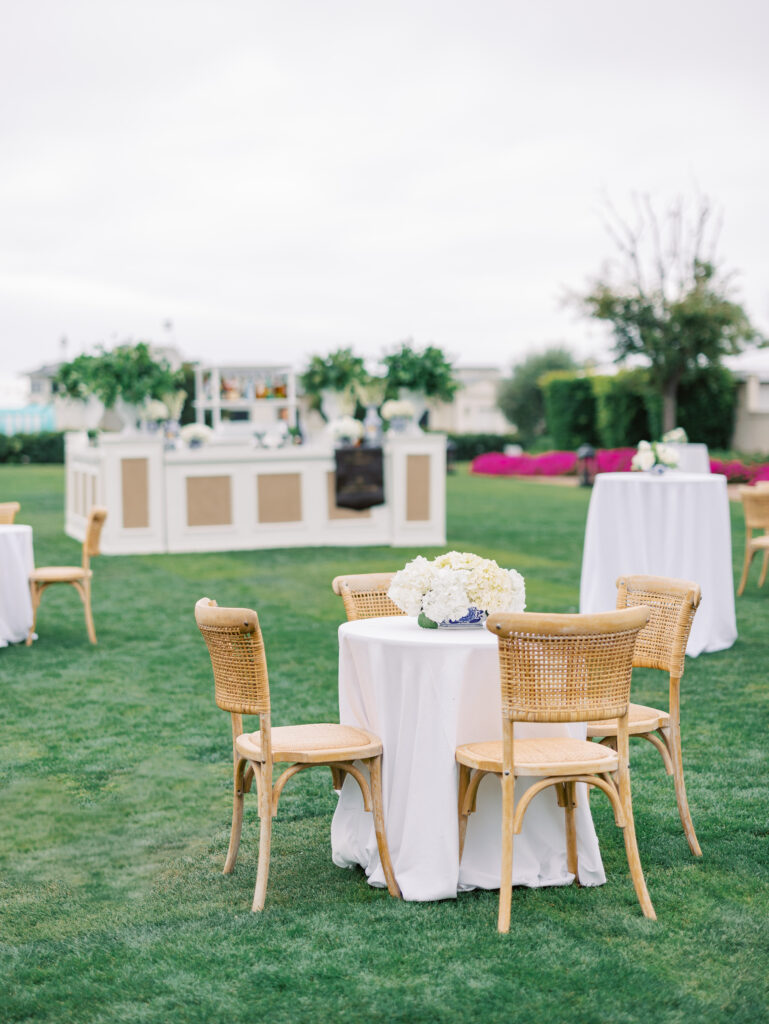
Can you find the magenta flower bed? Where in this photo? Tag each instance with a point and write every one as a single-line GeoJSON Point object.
{"type": "Point", "coordinates": [547, 464]}
{"type": "Point", "coordinates": [608, 460]}
{"type": "Point", "coordinates": [737, 472]}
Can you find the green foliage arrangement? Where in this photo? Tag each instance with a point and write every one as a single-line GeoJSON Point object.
{"type": "Point", "coordinates": [44, 447]}
{"type": "Point", "coordinates": [129, 372]}
{"type": "Point", "coordinates": [669, 303]}
{"type": "Point", "coordinates": [520, 398]}
{"type": "Point", "coordinates": [570, 409]}
{"type": "Point", "coordinates": [427, 371]}
{"type": "Point", "coordinates": [338, 371]}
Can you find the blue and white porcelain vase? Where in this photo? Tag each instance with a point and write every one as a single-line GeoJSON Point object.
{"type": "Point", "coordinates": [474, 617]}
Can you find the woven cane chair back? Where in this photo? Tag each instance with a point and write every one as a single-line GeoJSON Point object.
{"type": "Point", "coordinates": [755, 504]}
{"type": "Point", "coordinates": [235, 643]}
{"type": "Point", "coordinates": [672, 605]}
{"type": "Point", "coordinates": [8, 510]}
{"type": "Point", "coordinates": [365, 595]}
{"type": "Point", "coordinates": [566, 668]}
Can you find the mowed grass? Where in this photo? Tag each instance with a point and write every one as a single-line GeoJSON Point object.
{"type": "Point", "coordinates": [115, 806]}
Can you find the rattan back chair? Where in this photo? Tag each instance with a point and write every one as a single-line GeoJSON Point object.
{"type": "Point", "coordinates": [755, 505]}
{"type": "Point", "coordinates": [661, 644]}
{"type": "Point", "coordinates": [365, 595]}
{"type": "Point", "coordinates": [558, 668]}
{"type": "Point", "coordinates": [8, 510]}
{"type": "Point", "coordinates": [241, 686]}
{"type": "Point", "coordinates": [78, 576]}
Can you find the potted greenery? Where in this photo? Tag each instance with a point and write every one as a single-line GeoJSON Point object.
{"type": "Point", "coordinates": [330, 382]}
{"type": "Point", "coordinates": [125, 378]}
{"type": "Point", "coordinates": [415, 375]}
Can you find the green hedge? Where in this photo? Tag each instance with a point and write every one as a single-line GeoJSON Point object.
{"type": "Point", "coordinates": [47, 446]}
{"type": "Point", "coordinates": [468, 446]}
{"type": "Point", "coordinates": [707, 405]}
{"type": "Point", "coordinates": [621, 410]}
{"type": "Point", "coordinates": [570, 410]}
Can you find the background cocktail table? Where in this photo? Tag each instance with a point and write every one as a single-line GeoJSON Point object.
{"type": "Point", "coordinates": [16, 563]}
{"type": "Point", "coordinates": [673, 524]}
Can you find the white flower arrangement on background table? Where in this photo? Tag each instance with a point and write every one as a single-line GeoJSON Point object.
{"type": "Point", "coordinates": [397, 409]}
{"type": "Point", "coordinates": [675, 436]}
{"type": "Point", "coordinates": [457, 587]}
{"type": "Point", "coordinates": [195, 433]}
{"type": "Point", "coordinates": [651, 454]}
{"type": "Point", "coordinates": [346, 428]}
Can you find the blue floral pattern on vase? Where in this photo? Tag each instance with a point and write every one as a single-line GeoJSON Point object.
{"type": "Point", "coordinates": [474, 617]}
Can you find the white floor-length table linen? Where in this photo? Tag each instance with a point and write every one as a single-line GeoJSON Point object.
{"type": "Point", "coordinates": [692, 458]}
{"type": "Point", "coordinates": [16, 563]}
{"type": "Point", "coordinates": [670, 524]}
{"type": "Point", "coordinates": [425, 692]}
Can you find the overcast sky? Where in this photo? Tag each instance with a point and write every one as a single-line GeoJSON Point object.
{"type": "Point", "coordinates": [281, 178]}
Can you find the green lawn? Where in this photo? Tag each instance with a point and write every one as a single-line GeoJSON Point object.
{"type": "Point", "coordinates": [115, 805]}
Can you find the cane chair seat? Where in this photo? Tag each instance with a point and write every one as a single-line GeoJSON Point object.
{"type": "Point", "coordinates": [59, 574]}
{"type": "Point", "coordinates": [241, 686]}
{"type": "Point", "coordinates": [545, 755]}
{"type": "Point", "coordinates": [661, 644]}
{"type": "Point", "coordinates": [312, 744]}
{"type": "Point", "coordinates": [641, 720]}
{"type": "Point", "coordinates": [557, 669]}
{"type": "Point", "coordinates": [755, 504]}
{"type": "Point", "coordinates": [78, 576]}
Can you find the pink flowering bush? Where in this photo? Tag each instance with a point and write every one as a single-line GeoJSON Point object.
{"type": "Point", "coordinates": [547, 464]}
{"type": "Point", "coordinates": [608, 460]}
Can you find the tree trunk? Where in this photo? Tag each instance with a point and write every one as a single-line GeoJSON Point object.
{"type": "Point", "coordinates": [670, 404]}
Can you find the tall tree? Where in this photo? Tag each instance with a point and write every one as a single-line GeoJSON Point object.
{"type": "Point", "coordinates": [665, 296]}
{"type": "Point", "coordinates": [520, 397]}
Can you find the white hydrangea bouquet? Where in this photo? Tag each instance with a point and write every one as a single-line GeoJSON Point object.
{"type": "Point", "coordinates": [654, 455]}
{"type": "Point", "coordinates": [675, 436]}
{"type": "Point", "coordinates": [457, 588]}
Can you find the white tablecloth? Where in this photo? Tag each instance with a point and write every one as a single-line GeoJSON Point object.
{"type": "Point", "coordinates": [16, 563]}
{"type": "Point", "coordinates": [424, 692]}
{"type": "Point", "coordinates": [676, 524]}
{"type": "Point", "coordinates": [692, 458]}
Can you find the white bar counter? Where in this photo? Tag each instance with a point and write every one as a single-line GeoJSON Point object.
{"type": "Point", "coordinates": [228, 495]}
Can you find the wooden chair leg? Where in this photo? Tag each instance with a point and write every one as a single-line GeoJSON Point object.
{"type": "Point", "coordinates": [85, 595]}
{"type": "Point", "coordinates": [464, 781]}
{"type": "Point", "coordinates": [263, 866]}
{"type": "Point", "coordinates": [35, 593]}
{"type": "Point", "coordinates": [673, 737]}
{"type": "Point", "coordinates": [570, 802]}
{"type": "Point", "coordinates": [237, 819]}
{"type": "Point", "coordinates": [375, 773]}
{"type": "Point", "coordinates": [745, 569]}
{"type": "Point", "coordinates": [631, 847]}
{"type": "Point", "coordinates": [506, 870]}
{"type": "Point", "coordinates": [762, 577]}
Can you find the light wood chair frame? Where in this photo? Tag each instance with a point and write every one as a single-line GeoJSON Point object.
{"type": "Point", "coordinates": [244, 689]}
{"type": "Point", "coordinates": [8, 512]}
{"type": "Point", "coordinates": [38, 584]}
{"type": "Point", "coordinates": [755, 505]}
{"type": "Point", "coordinates": [365, 595]}
{"type": "Point", "coordinates": [527, 644]}
{"type": "Point", "coordinates": [661, 644]}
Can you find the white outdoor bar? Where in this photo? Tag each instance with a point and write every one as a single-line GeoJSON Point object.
{"type": "Point", "coordinates": [229, 495]}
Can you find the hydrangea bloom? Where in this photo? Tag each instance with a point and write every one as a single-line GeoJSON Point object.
{"type": "Point", "coordinates": [449, 586]}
